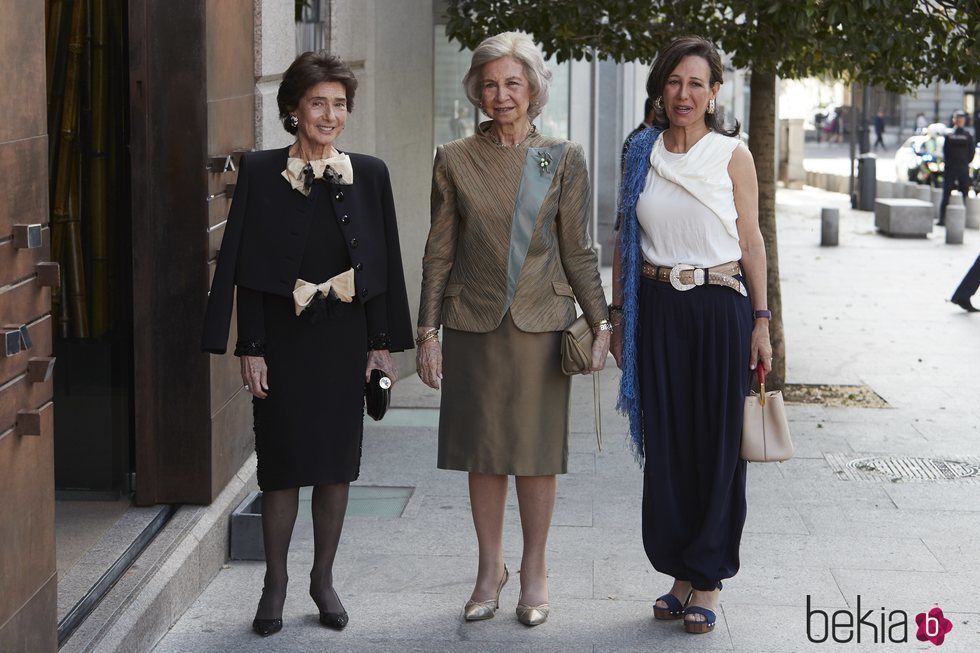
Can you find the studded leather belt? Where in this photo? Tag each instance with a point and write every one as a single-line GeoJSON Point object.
{"type": "Point", "coordinates": [685, 277]}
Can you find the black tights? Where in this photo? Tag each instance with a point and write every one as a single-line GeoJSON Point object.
{"type": "Point", "coordinates": [279, 509]}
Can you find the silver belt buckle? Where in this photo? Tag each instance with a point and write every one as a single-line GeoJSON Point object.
{"type": "Point", "coordinates": [675, 276]}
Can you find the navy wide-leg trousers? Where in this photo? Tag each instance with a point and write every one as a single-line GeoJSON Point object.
{"type": "Point", "coordinates": [694, 375]}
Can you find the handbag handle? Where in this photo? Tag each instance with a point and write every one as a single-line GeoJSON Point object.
{"type": "Point", "coordinates": [760, 373]}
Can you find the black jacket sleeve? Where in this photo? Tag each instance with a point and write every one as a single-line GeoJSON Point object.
{"type": "Point", "coordinates": [388, 316]}
{"type": "Point", "coordinates": [217, 317]}
{"type": "Point", "coordinates": [251, 323]}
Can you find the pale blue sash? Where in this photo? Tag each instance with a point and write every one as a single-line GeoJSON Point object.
{"type": "Point", "coordinates": [539, 170]}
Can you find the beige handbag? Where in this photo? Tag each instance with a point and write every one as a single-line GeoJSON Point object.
{"type": "Point", "coordinates": [576, 358]}
{"type": "Point", "coordinates": [765, 430]}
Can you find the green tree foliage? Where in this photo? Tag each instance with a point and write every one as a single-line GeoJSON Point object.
{"type": "Point", "coordinates": [898, 44]}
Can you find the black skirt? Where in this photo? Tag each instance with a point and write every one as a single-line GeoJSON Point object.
{"type": "Point", "coordinates": [308, 431]}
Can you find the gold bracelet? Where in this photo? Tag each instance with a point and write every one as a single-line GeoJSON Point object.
{"type": "Point", "coordinates": [428, 335]}
{"type": "Point", "coordinates": [602, 325]}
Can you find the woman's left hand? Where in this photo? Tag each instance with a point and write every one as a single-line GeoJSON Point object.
{"type": "Point", "coordinates": [600, 349]}
{"type": "Point", "coordinates": [380, 359]}
{"type": "Point", "coordinates": [761, 348]}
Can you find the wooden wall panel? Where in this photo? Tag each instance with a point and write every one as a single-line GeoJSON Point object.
{"type": "Point", "coordinates": [40, 331]}
{"type": "Point", "coordinates": [23, 71]}
{"type": "Point", "coordinates": [169, 187]}
{"type": "Point", "coordinates": [232, 438]}
{"type": "Point", "coordinates": [20, 394]}
{"type": "Point", "coordinates": [24, 182]}
{"type": "Point", "coordinates": [192, 97]}
{"type": "Point", "coordinates": [24, 302]}
{"type": "Point", "coordinates": [27, 544]}
{"type": "Point", "coordinates": [28, 578]}
{"type": "Point", "coordinates": [34, 628]}
{"type": "Point", "coordinates": [17, 264]}
{"type": "Point", "coordinates": [231, 127]}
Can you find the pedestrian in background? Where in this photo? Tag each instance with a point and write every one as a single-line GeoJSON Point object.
{"type": "Point", "coordinates": [690, 322]}
{"type": "Point", "coordinates": [921, 122]}
{"type": "Point", "coordinates": [507, 255]}
{"type": "Point", "coordinates": [958, 151]}
{"type": "Point", "coordinates": [646, 124]}
{"type": "Point", "coordinates": [968, 288]}
{"type": "Point", "coordinates": [311, 244]}
{"type": "Point", "coordinates": [879, 124]}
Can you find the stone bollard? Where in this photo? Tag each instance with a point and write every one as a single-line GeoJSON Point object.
{"type": "Point", "coordinates": [923, 193]}
{"type": "Point", "coordinates": [937, 201]}
{"type": "Point", "coordinates": [955, 221]}
{"type": "Point", "coordinates": [972, 212]}
{"type": "Point", "coordinates": [883, 189]}
{"type": "Point", "coordinates": [908, 190]}
{"type": "Point", "coordinates": [829, 227]}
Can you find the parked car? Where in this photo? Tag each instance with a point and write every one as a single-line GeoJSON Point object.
{"type": "Point", "coordinates": [920, 159]}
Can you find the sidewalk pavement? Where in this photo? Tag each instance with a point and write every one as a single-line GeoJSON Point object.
{"type": "Point", "coordinates": [870, 311]}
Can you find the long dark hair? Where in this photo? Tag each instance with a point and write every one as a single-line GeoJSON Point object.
{"type": "Point", "coordinates": [306, 71]}
{"type": "Point", "coordinates": [667, 61]}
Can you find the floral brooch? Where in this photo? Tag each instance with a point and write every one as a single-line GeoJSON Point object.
{"type": "Point", "coordinates": [544, 162]}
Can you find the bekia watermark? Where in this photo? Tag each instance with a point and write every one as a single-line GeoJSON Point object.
{"type": "Point", "coordinates": [874, 626]}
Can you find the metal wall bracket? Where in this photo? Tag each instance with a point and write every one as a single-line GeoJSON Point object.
{"type": "Point", "coordinates": [29, 422]}
{"type": "Point", "coordinates": [27, 236]}
{"type": "Point", "coordinates": [40, 369]}
{"type": "Point", "coordinates": [48, 274]}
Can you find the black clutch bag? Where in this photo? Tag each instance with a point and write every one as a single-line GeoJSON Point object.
{"type": "Point", "coordinates": [377, 394]}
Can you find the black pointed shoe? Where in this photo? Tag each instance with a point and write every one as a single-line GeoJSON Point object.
{"type": "Point", "coordinates": [266, 627]}
{"type": "Point", "coordinates": [965, 304]}
{"type": "Point", "coordinates": [335, 620]}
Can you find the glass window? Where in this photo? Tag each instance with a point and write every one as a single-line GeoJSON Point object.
{"type": "Point", "coordinates": [312, 25]}
{"type": "Point", "coordinates": [454, 117]}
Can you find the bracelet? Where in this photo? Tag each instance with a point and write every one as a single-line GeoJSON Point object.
{"type": "Point", "coordinates": [602, 325]}
{"type": "Point", "coordinates": [428, 335]}
{"type": "Point", "coordinates": [762, 313]}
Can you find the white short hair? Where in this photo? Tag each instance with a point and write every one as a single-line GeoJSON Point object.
{"type": "Point", "coordinates": [522, 49]}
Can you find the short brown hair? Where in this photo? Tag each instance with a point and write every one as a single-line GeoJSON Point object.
{"type": "Point", "coordinates": [306, 71]}
{"type": "Point", "coordinates": [668, 60]}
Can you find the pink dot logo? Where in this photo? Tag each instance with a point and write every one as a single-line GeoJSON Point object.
{"type": "Point", "coordinates": [933, 626]}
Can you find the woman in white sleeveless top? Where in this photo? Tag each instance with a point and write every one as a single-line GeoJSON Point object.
{"type": "Point", "coordinates": [689, 305]}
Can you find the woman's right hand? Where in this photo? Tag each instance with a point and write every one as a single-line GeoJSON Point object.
{"type": "Point", "coordinates": [254, 375]}
{"type": "Point", "coordinates": [428, 362]}
{"type": "Point", "coordinates": [616, 345]}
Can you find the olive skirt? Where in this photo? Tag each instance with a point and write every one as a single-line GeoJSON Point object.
{"type": "Point", "coordinates": [504, 403]}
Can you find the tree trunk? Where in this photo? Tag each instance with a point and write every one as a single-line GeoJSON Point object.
{"type": "Point", "coordinates": [762, 143]}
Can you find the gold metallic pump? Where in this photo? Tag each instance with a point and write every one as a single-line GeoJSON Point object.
{"type": "Point", "coordinates": [480, 610]}
{"type": "Point", "coordinates": [532, 615]}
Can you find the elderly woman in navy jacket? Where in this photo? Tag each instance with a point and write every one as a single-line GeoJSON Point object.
{"type": "Point", "coordinates": [311, 244]}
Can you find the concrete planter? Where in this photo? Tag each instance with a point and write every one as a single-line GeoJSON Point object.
{"type": "Point", "coordinates": [245, 542]}
{"type": "Point", "coordinates": [903, 218]}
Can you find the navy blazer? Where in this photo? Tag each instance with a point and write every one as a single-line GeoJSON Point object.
{"type": "Point", "coordinates": [265, 237]}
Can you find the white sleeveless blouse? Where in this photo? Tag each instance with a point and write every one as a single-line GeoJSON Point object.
{"type": "Point", "coordinates": [687, 208]}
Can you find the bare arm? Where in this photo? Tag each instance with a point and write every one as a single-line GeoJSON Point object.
{"type": "Point", "coordinates": [741, 169]}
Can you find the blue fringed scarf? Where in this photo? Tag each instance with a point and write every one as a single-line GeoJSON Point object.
{"type": "Point", "coordinates": [634, 178]}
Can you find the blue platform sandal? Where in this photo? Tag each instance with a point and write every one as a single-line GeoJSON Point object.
{"type": "Point", "coordinates": [700, 627]}
{"type": "Point", "coordinates": [674, 609]}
